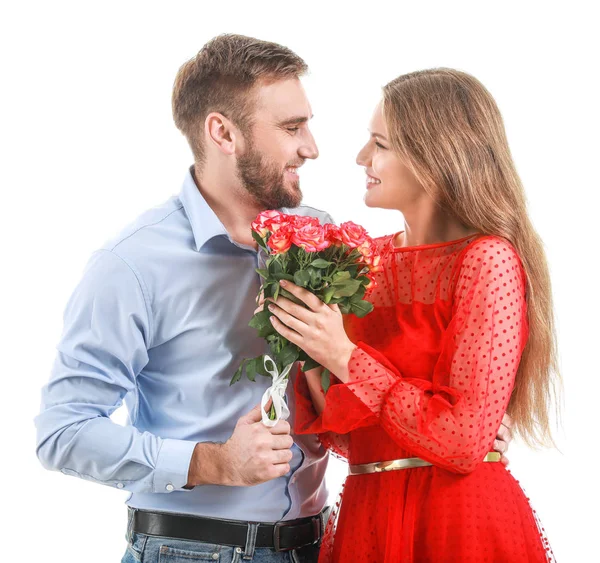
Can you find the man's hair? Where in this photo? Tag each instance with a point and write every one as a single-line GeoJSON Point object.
{"type": "Point", "coordinates": [220, 79]}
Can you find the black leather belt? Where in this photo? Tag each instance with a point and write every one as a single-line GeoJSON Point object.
{"type": "Point", "coordinates": [280, 536]}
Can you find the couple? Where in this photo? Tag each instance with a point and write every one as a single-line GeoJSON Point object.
{"type": "Point", "coordinates": [461, 333]}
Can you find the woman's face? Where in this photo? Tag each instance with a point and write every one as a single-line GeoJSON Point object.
{"type": "Point", "coordinates": [390, 182]}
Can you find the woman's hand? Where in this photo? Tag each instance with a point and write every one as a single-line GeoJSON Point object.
{"type": "Point", "coordinates": [318, 330]}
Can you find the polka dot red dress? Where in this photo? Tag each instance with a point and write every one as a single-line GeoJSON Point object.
{"type": "Point", "coordinates": [431, 377]}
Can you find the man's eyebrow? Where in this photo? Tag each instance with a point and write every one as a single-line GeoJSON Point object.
{"type": "Point", "coordinates": [295, 120]}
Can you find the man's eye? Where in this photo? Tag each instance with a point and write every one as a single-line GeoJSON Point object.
{"type": "Point", "coordinates": [293, 129]}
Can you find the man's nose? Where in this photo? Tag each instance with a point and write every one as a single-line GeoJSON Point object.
{"type": "Point", "coordinates": [309, 147]}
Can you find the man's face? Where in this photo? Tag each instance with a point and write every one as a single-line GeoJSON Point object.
{"type": "Point", "coordinates": [278, 144]}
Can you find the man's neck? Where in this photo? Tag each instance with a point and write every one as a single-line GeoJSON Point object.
{"type": "Point", "coordinates": [232, 208]}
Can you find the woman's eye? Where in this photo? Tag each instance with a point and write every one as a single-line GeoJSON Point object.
{"type": "Point", "coordinates": [379, 145]}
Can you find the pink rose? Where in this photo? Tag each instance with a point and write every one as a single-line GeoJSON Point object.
{"type": "Point", "coordinates": [300, 221]}
{"type": "Point", "coordinates": [281, 240]}
{"type": "Point", "coordinates": [353, 235]}
{"type": "Point", "coordinates": [311, 238]}
{"type": "Point", "coordinates": [372, 284]}
{"type": "Point", "coordinates": [262, 223]}
{"type": "Point", "coordinates": [333, 234]}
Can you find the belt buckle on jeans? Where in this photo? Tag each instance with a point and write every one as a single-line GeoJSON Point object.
{"type": "Point", "coordinates": [277, 539]}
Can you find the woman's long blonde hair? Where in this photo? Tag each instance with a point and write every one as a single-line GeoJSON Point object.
{"type": "Point", "coordinates": [449, 129]}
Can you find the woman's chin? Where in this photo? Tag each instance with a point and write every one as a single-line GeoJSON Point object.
{"type": "Point", "coordinates": [370, 200]}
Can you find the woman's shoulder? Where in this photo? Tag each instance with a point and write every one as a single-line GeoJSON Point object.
{"type": "Point", "coordinates": [489, 248]}
{"type": "Point", "coordinates": [490, 257]}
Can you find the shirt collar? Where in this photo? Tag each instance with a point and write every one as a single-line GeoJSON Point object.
{"type": "Point", "coordinates": [205, 224]}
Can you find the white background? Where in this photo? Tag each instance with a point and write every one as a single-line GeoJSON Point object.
{"type": "Point", "coordinates": [87, 143]}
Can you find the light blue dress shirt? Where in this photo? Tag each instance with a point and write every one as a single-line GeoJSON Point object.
{"type": "Point", "coordinates": [160, 320]}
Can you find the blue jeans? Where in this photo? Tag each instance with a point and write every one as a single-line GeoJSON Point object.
{"type": "Point", "coordinates": [153, 549]}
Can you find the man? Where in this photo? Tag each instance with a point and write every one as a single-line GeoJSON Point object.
{"type": "Point", "coordinates": [160, 319]}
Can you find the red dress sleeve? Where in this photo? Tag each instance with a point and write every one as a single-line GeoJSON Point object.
{"type": "Point", "coordinates": [451, 419]}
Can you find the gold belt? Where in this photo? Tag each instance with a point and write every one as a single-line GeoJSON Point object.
{"type": "Point", "coordinates": [406, 463]}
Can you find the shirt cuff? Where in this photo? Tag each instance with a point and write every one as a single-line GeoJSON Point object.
{"type": "Point", "coordinates": [173, 465]}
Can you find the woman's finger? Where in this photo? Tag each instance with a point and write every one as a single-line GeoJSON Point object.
{"type": "Point", "coordinates": [310, 299]}
{"type": "Point", "coordinates": [286, 332]}
{"type": "Point", "coordinates": [295, 310]}
{"type": "Point", "coordinates": [287, 319]}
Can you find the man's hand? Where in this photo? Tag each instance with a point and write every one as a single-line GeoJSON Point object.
{"type": "Point", "coordinates": [254, 454]}
{"type": "Point", "coordinates": [504, 438]}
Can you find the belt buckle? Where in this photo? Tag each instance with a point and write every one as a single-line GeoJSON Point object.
{"type": "Point", "coordinates": [277, 539]}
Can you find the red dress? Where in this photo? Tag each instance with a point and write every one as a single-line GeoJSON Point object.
{"type": "Point", "coordinates": [431, 377]}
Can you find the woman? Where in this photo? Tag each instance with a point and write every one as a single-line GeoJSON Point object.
{"type": "Point", "coordinates": [462, 331]}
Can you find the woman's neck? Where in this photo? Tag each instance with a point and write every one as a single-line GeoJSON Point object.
{"type": "Point", "coordinates": [430, 225]}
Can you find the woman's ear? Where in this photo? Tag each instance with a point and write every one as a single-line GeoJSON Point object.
{"type": "Point", "coordinates": [221, 132]}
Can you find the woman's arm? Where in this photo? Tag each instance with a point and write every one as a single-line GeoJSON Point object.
{"type": "Point", "coordinates": [313, 379]}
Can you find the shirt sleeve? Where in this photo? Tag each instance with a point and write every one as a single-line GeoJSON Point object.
{"type": "Point", "coordinates": [103, 348]}
{"type": "Point", "coordinates": [452, 419]}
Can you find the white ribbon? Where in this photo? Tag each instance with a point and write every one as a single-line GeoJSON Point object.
{"type": "Point", "coordinates": [277, 393]}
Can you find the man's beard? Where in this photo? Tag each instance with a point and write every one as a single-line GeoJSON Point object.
{"type": "Point", "coordinates": [265, 182]}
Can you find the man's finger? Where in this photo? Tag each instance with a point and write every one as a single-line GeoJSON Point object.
{"type": "Point", "coordinates": [254, 415]}
{"type": "Point", "coordinates": [282, 427]}
{"type": "Point", "coordinates": [500, 446]}
{"type": "Point", "coordinates": [282, 442]}
{"type": "Point", "coordinates": [504, 433]}
{"type": "Point", "coordinates": [507, 421]}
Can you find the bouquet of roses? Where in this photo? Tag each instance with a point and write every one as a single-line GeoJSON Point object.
{"type": "Point", "coordinates": [337, 264]}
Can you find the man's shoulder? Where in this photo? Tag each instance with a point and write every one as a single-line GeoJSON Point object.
{"type": "Point", "coordinates": [308, 211]}
{"type": "Point", "coordinates": [148, 228]}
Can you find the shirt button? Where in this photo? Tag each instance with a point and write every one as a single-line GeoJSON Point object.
{"type": "Point", "coordinates": [170, 487]}
{"type": "Point", "coordinates": [215, 556]}
{"type": "Point", "coordinates": [120, 485]}
{"type": "Point", "coordinates": [237, 550]}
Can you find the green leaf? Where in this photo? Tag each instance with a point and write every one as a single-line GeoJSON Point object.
{"type": "Point", "coordinates": [289, 355]}
{"type": "Point", "coordinates": [259, 240]}
{"type": "Point", "coordinates": [320, 263]}
{"type": "Point", "coordinates": [362, 308]}
{"type": "Point", "coordinates": [260, 366]}
{"type": "Point", "coordinates": [276, 292]}
{"type": "Point", "coordinates": [339, 278]}
{"type": "Point", "coordinates": [260, 320]}
{"type": "Point", "coordinates": [238, 373]}
{"type": "Point", "coordinates": [315, 277]}
{"type": "Point", "coordinates": [328, 294]}
{"type": "Point", "coordinates": [275, 267]}
{"type": "Point", "coordinates": [310, 364]}
{"type": "Point", "coordinates": [345, 308]}
{"type": "Point", "coordinates": [251, 370]}
{"type": "Point", "coordinates": [302, 278]}
{"type": "Point", "coordinates": [352, 270]}
{"type": "Point", "coordinates": [364, 280]}
{"type": "Point", "coordinates": [348, 289]}
{"type": "Point", "coordinates": [293, 298]}
{"type": "Point", "coordinates": [325, 380]}
{"type": "Point", "coordinates": [263, 273]}
{"type": "Point", "coordinates": [262, 324]}
{"type": "Point", "coordinates": [283, 276]}
{"type": "Point", "coordinates": [362, 290]}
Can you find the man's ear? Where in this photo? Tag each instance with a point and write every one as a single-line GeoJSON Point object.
{"type": "Point", "coordinates": [221, 132]}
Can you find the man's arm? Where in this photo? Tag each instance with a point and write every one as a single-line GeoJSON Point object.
{"type": "Point", "coordinates": [107, 333]}
{"type": "Point", "coordinates": [103, 348]}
